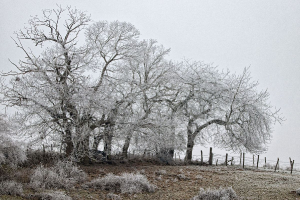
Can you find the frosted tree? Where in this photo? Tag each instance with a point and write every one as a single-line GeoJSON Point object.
{"type": "Point", "coordinates": [223, 109]}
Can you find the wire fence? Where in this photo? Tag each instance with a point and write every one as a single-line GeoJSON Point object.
{"type": "Point", "coordinates": [253, 161]}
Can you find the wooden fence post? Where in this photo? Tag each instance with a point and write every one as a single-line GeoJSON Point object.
{"type": "Point", "coordinates": [240, 159]}
{"type": "Point", "coordinates": [232, 161]}
{"type": "Point", "coordinates": [210, 156]}
{"type": "Point", "coordinates": [243, 160]}
{"type": "Point", "coordinates": [277, 164]}
{"type": "Point", "coordinates": [292, 165]}
{"type": "Point", "coordinates": [217, 162]}
{"type": "Point", "coordinates": [257, 161]}
{"type": "Point", "coordinates": [226, 159]}
{"type": "Point", "coordinates": [201, 157]}
{"type": "Point", "coordinates": [265, 161]}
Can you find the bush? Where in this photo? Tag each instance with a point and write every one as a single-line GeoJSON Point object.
{"type": "Point", "coordinates": [10, 153]}
{"type": "Point", "coordinates": [11, 188]}
{"type": "Point", "coordinates": [61, 175]}
{"type": "Point", "coordinates": [161, 172]}
{"type": "Point", "coordinates": [113, 196]}
{"type": "Point", "coordinates": [38, 157]}
{"type": "Point", "coordinates": [126, 183]}
{"type": "Point", "coordinates": [220, 194]}
{"type": "Point", "coordinates": [51, 195]}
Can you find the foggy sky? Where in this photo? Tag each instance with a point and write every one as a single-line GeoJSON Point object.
{"type": "Point", "coordinates": [264, 35]}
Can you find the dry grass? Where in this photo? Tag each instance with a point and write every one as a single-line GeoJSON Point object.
{"type": "Point", "coordinates": [247, 183]}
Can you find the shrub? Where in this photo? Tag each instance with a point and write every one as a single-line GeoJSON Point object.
{"type": "Point", "coordinates": [51, 195]}
{"type": "Point", "coordinates": [126, 183]}
{"type": "Point", "coordinates": [298, 191]}
{"type": "Point", "coordinates": [10, 153]}
{"type": "Point", "coordinates": [11, 188]}
{"type": "Point", "coordinates": [113, 196]}
{"type": "Point", "coordinates": [37, 157]}
{"type": "Point", "coordinates": [61, 175]}
{"type": "Point", "coordinates": [221, 194]}
{"type": "Point", "coordinates": [182, 177]}
{"type": "Point", "coordinates": [161, 172]}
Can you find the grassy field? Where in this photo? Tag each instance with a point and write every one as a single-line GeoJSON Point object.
{"type": "Point", "coordinates": [182, 182]}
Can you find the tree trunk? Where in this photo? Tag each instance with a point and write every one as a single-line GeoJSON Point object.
{"type": "Point", "coordinates": [108, 135]}
{"type": "Point", "coordinates": [84, 151]}
{"type": "Point", "coordinates": [97, 140]}
{"type": "Point", "coordinates": [126, 145]}
{"type": "Point", "coordinates": [189, 148]}
{"type": "Point", "coordinates": [69, 143]}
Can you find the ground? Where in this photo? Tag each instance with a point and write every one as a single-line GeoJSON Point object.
{"type": "Point", "coordinates": [183, 182]}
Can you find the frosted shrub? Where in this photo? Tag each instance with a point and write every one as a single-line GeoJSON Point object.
{"type": "Point", "coordinates": [161, 172]}
{"type": "Point", "coordinates": [113, 196]}
{"type": "Point", "coordinates": [126, 183]}
{"type": "Point", "coordinates": [219, 194]}
{"type": "Point", "coordinates": [52, 195]}
{"type": "Point", "coordinates": [10, 153]}
{"type": "Point", "coordinates": [182, 177]}
{"type": "Point", "coordinates": [11, 188]}
{"type": "Point", "coordinates": [62, 175]}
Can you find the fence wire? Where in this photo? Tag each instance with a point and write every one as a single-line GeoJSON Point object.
{"type": "Point", "coordinates": [249, 161]}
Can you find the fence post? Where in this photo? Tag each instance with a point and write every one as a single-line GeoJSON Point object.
{"type": "Point", "coordinates": [277, 164]}
{"type": "Point", "coordinates": [201, 157]}
{"type": "Point", "coordinates": [217, 162]}
{"type": "Point", "coordinates": [240, 159]}
{"type": "Point", "coordinates": [265, 161]}
{"type": "Point", "coordinates": [253, 160]}
{"type": "Point", "coordinates": [232, 161]}
{"type": "Point", "coordinates": [257, 161]}
{"type": "Point", "coordinates": [292, 165]}
{"type": "Point", "coordinates": [243, 160]}
{"type": "Point", "coordinates": [226, 159]}
{"type": "Point", "coordinates": [210, 156]}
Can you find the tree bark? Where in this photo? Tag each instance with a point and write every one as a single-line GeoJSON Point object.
{"type": "Point", "coordinates": [126, 145]}
{"type": "Point", "coordinates": [69, 143]}
{"type": "Point", "coordinates": [189, 149]}
{"type": "Point", "coordinates": [108, 135]}
{"type": "Point", "coordinates": [97, 140]}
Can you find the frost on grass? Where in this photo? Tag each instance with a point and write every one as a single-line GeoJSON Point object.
{"type": "Point", "coordinates": [161, 172]}
{"type": "Point", "coordinates": [113, 196]}
{"type": "Point", "coordinates": [126, 183]}
{"type": "Point", "coordinates": [61, 175]}
{"type": "Point", "coordinates": [11, 188]}
{"type": "Point", "coordinates": [51, 195]}
{"type": "Point", "coordinates": [182, 177]}
{"type": "Point", "coordinates": [219, 194]}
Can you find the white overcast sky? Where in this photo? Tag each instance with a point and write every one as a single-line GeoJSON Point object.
{"type": "Point", "coordinates": [232, 34]}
